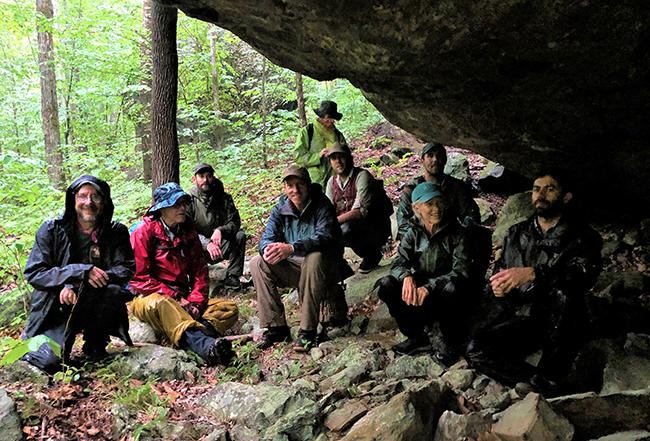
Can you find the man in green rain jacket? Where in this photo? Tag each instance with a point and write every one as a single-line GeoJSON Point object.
{"type": "Point", "coordinates": [314, 140]}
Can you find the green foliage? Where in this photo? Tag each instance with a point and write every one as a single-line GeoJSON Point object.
{"type": "Point", "coordinates": [68, 374]}
{"type": "Point", "coordinates": [17, 348]}
{"type": "Point", "coordinates": [243, 367]}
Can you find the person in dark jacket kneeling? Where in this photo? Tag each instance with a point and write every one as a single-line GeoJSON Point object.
{"type": "Point", "coordinates": [430, 277]}
{"type": "Point", "coordinates": [548, 264]}
{"type": "Point", "coordinates": [171, 280]}
{"type": "Point", "coordinates": [79, 267]}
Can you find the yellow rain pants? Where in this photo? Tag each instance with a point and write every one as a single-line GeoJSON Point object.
{"type": "Point", "coordinates": [167, 317]}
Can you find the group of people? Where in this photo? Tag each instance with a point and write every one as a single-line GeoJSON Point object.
{"type": "Point", "coordinates": [82, 262]}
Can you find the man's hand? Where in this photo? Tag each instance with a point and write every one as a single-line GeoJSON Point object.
{"type": "Point", "coordinates": [67, 296]}
{"type": "Point", "coordinates": [506, 280]}
{"type": "Point", "coordinates": [216, 237]}
{"type": "Point", "coordinates": [322, 153]}
{"type": "Point", "coordinates": [214, 250]}
{"type": "Point", "coordinates": [409, 290]}
{"type": "Point", "coordinates": [97, 277]}
{"type": "Point", "coordinates": [190, 308]}
{"type": "Point", "coordinates": [277, 252]}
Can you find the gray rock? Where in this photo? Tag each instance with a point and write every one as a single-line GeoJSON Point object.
{"type": "Point", "coordinates": [252, 326]}
{"type": "Point", "coordinates": [219, 434]}
{"type": "Point", "coordinates": [400, 151]}
{"type": "Point", "coordinates": [495, 178]}
{"type": "Point", "coordinates": [381, 320]}
{"type": "Point", "coordinates": [359, 286]}
{"type": "Point", "coordinates": [316, 353]}
{"type": "Point", "coordinates": [620, 284]}
{"type": "Point", "coordinates": [121, 420]}
{"type": "Point", "coordinates": [630, 435]}
{"type": "Point", "coordinates": [151, 361]}
{"type": "Point", "coordinates": [410, 415]}
{"type": "Point", "coordinates": [592, 415]}
{"type": "Point", "coordinates": [142, 332]}
{"type": "Point", "coordinates": [485, 208]}
{"type": "Point", "coordinates": [358, 324]}
{"type": "Point", "coordinates": [459, 379]}
{"type": "Point", "coordinates": [414, 367]}
{"type": "Point", "coordinates": [638, 344]}
{"type": "Point", "coordinates": [389, 159]}
{"type": "Point", "coordinates": [302, 424]}
{"type": "Point", "coordinates": [345, 416]}
{"type": "Point", "coordinates": [625, 372]}
{"type": "Point", "coordinates": [517, 208]}
{"type": "Point", "coordinates": [481, 382]}
{"type": "Point", "coordinates": [453, 426]}
{"type": "Point", "coordinates": [532, 419]}
{"type": "Point", "coordinates": [631, 237]}
{"type": "Point", "coordinates": [458, 167]}
{"type": "Point", "coordinates": [496, 396]}
{"type": "Point", "coordinates": [10, 427]}
{"type": "Point", "coordinates": [256, 407]}
{"type": "Point", "coordinates": [352, 365]}
{"type": "Point", "coordinates": [243, 433]}
{"type": "Point", "coordinates": [21, 371]}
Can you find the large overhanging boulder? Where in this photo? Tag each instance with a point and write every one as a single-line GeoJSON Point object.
{"type": "Point", "coordinates": [526, 83]}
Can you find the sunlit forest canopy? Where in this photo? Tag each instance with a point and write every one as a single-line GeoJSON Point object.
{"type": "Point", "coordinates": [101, 54]}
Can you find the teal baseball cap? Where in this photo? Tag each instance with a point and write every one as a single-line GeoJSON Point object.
{"type": "Point", "coordinates": [425, 192]}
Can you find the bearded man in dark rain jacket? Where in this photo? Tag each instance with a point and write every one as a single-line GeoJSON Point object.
{"type": "Point", "coordinates": [79, 267]}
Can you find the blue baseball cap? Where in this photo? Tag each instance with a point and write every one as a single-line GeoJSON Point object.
{"type": "Point", "coordinates": [166, 195]}
{"type": "Point", "coordinates": [425, 192]}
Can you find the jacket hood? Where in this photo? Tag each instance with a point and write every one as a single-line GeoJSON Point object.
{"type": "Point", "coordinates": [70, 215]}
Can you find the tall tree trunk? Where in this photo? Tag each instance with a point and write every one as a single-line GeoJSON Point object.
{"type": "Point", "coordinates": [49, 104]}
{"type": "Point", "coordinates": [217, 129]}
{"type": "Point", "coordinates": [143, 126]}
{"type": "Point", "coordinates": [265, 156]}
{"type": "Point", "coordinates": [165, 155]}
{"type": "Point", "coordinates": [300, 97]}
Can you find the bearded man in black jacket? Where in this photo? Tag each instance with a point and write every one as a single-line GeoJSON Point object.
{"type": "Point", "coordinates": [79, 267]}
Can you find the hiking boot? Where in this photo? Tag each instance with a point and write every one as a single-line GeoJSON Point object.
{"type": "Point", "coordinates": [232, 282]}
{"type": "Point", "coordinates": [305, 341]}
{"type": "Point", "coordinates": [220, 353]}
{"type": "Point", "coordinates": [273, 335]}
{"type": "Point", "coordinates": [412, 345]}
{"type": "Point", "coordinates": [369, 263]}
{"type": "Point", "coordinates": [95, 352]}
{"type": "Point", "coordinates": [448, 355]}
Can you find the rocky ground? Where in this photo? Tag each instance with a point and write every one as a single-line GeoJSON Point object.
{"type": "Point", "coordinates": [353, 387]}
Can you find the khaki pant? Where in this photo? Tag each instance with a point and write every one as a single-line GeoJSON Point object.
{"type": "Point", "coordinates": [166, 316]}
{"type": "Point", "coordinates": [317, 278]}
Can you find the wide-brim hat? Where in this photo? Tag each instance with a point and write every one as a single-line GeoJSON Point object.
{"type": "Point", "coordinates": [297, 171]}
{"type": "Point", "coordinates": [328, 109]}
{"type": "Point", "coordinates": [337, 147]}
{"type": "Point", "coordinates": [167, 195]}
{"type": "Point", "coordinates": [425, 192]}
{"type": "Point", "coordinates": [201, 167]}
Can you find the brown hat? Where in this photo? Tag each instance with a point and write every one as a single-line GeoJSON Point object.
{"type": "Point", "coordinates": [339, 148]}
{"type": "Point", "coordinates": [328, 109]}
{"type": "Point", "coordinates": [297, 171]}
{"type": "Point", "coordinates": [202, 166]}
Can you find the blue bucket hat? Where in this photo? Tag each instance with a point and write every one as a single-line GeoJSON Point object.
{"type": "Point", "coordinates": [166, 195]}
{"type": "Point", "coordinates": [425, 192]}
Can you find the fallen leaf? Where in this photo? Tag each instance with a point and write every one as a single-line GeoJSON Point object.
{"type": "Point", "coordinates": [93, 431]}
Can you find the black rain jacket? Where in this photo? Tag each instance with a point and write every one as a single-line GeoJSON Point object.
{"type": "Point", "coordinates": [49, 268]}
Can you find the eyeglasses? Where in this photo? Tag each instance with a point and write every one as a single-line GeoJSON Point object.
{"type": "Point", "coordinates": [84, 197]}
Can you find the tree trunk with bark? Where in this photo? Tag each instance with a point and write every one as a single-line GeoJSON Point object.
{"type": "Point", "coordinates": [300, 98]}
{"type": "Point", "coordinates": [49, 104]}
{"type": "Point", "coordinates": [143, 125]}
{"type": "Point", "coordinates": [165, 155]}
{"type": "Point", "coordinates": [265, 155]}
{"type": "Point", "coordinates": [217, 128]}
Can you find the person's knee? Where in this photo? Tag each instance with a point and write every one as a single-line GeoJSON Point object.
{"type": "Point", "coordinates": [256, 264]}
{"type": "Point", "coordinates": [387, 285]}
{"type": "Point", "coordinates": [240, 238]}
{"type": "Point", "coordinates": [347, 229]}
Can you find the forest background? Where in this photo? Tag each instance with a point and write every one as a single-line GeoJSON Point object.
{"type": "Point", "coordinates": [236, 111]}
